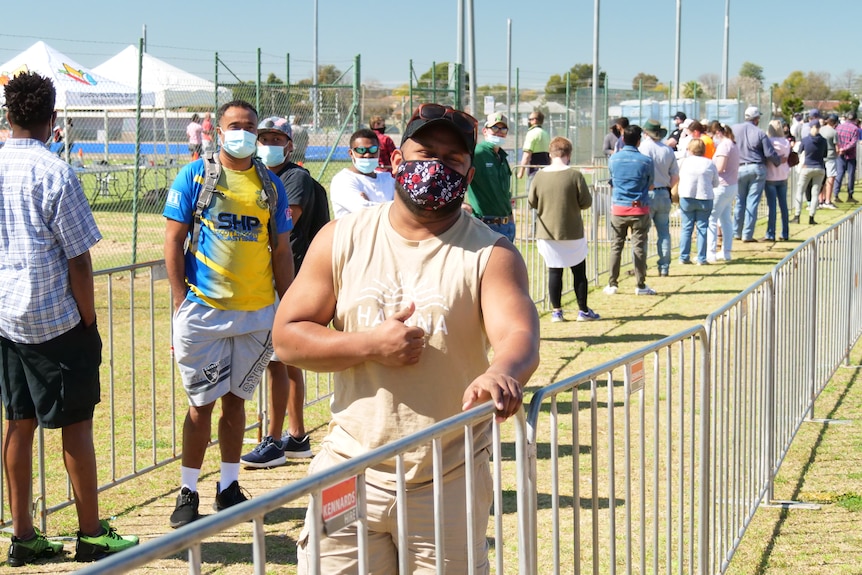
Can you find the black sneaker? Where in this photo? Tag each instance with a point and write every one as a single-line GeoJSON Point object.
{"type": "Point", "coordinates": [186, 510]}
{"type": "Point", "coordinates": [229, 497]}
{"type": "Point", "coordinates": [21, 551]}
{"type": "Point", "coordinates": [296, 448]}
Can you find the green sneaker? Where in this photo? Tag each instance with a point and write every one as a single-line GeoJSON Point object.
{"type": "Point", "coordinates": [92, 548]}
{"type": "Point", "coordinates": [21, 552]}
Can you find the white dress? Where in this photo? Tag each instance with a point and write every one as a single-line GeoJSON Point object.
{"type": "Point", "coordinates": [562, 253]}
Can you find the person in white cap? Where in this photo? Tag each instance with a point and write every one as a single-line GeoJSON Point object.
{"type": "Point", "coordinates": [755, 149]}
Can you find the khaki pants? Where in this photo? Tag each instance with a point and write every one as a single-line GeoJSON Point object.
{"type": "Point", "coordinates": [339, 553]}
{"type": "Point", "coordinates": [639, 226]}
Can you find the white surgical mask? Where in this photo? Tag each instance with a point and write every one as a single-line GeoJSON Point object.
{"type": "Point", "coordinates": [239, 143]}
{"type": "Point", "coordinates": [271, 155]}
{"type": "Point", "coordinates": [365, 165]}
{"type": "Point", "coordinates": [495, 140]}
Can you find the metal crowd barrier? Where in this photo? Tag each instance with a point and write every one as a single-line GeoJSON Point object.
{"type": "Point", "coordinates": [351, 473]}
{"type": "Point", "coordinates": [703, 438]}
{"type": "Point", "coordinates": [615, 456]}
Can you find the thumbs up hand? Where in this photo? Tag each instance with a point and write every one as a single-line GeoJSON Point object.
{"type": "Point", "coordinates": [397, 343]}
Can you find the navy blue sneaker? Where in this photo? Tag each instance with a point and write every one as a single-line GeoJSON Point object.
{"type": "Point", "coordinates": [270, 453]}
{"type": "Point", "coordinates": [296, 448]}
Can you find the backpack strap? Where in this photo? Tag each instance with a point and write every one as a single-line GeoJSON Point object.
{"type": "Point", "coordinates": [270, 193]}
{"type": "Point", "coordinates": [212, 173]}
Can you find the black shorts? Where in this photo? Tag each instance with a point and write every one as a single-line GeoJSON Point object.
{"type": "Point", "coordinates": [56, 382]}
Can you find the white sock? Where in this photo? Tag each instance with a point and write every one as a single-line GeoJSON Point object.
{"type": "Point", "coordinates": [229, 474]}
{"type": "Point", "coordinates": [189, 477]}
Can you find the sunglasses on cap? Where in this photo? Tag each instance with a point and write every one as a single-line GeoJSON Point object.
{"type": "Point", "coordinates": [363, 150]}
{"type": "Point", "coordinates": [462, 120]}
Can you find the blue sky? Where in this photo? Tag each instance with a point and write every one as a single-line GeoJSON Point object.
{"type": "Point", "coordinates": [388, 33]}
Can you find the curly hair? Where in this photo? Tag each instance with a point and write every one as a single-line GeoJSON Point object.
{"type": "Point", "coordinates": [30, 99]}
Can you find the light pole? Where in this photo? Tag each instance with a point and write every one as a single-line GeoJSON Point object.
{"type": "Point", "coordinates": [595, 119]}
{"type": "Point", "coordinates": [676, 56]}
{"type": "Point", "coordinates": [459, 57]}
{"type": "Point", "coordinates": [509, 68]}
{"type": "Point", "coordinates": [726, 57]}
{"type": "Point", "coordinates": [314, 78]}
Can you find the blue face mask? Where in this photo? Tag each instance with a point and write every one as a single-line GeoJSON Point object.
{"type": "Point", "coordinates": [366, 165]}
{"type": "Point", "coordinates": [271, 155]}
{"type": "Point", "coordinates": [239, 143]}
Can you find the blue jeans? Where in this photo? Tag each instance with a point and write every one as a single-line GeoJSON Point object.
{"type": "Point", "coordinates": [721, 216]}
{"type": "Point", "coordinates": [507, 230]}
{"type": "Point", "coordinates": [845, 167]}
{"type": "Point", "coordinates": [694, 212]}
{"type": "Point", "coordinates": [659, 211]}
{"type": "Point", "coordinates": [777, 191]}
{"type": "Point", "coordinates": [752, 179]}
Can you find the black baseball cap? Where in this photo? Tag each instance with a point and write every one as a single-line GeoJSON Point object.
{"type": "Point", "coordinates": [429, 114]}
{"type": "Point", "coordinates": [680, 116]}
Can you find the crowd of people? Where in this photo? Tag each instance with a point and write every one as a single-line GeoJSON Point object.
{"type": "Point", "coordinates": [706, 166]}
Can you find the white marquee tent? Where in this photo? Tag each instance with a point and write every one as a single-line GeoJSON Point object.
{"type": "Point", "coordinates": [173, 87]}
{"type": "Point", "coordinates": [77, 87]}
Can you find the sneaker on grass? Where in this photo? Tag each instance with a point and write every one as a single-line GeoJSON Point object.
{"type": "Point", "coordinates": [588, 315]}
{"type": "Point", "coordinates": [92, 548]}
{"type": "Point", "coordinates": [269, 453]}
{"type": "Point", "coordinates": [21, 551]}
{"type": "Point", "coordinates": [296, 448]}
{"type": "Point", "coordinates": [557, 316]}
{"type": "Point", "coordinates": [231, 496]}
{"type": "Point", "coordinates": [646, 290]}
{"type": "Point", "coordinates": [610, 290]}
{"type": "Point", "coordinates": [186, 509]}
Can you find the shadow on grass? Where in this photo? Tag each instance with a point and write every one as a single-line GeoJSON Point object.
{"type": "Point", "coordinates": [217, 555]}
{"type": "Point", "coordinates": [543, 451]}
{"type": "Point", "coordinates": [544, 501]}
{"type": "Point", "coordinates": [565, 407]}
{"type": "Point", "coordinates": [605, 339]}
{"type": "Point", "coordinates": [765, 557]}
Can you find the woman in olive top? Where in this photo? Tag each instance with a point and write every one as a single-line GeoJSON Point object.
{"type": "Point", "coordinates": [558, 193]}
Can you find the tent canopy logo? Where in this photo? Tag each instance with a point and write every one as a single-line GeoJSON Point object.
{"type": "Point", "coordinates": [77, 75]}
{"type": "Point", "coordinates": [6, 76]}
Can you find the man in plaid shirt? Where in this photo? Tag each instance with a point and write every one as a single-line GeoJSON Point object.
{"type": "Point", "coordinates": [846, 138]}
{"type": "Point", "coordinates": [50, 349]}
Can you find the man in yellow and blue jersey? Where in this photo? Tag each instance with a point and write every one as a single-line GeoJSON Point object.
{"type": "Point", "coordinates": [224, 303]}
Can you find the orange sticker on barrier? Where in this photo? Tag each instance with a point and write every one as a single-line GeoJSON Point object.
{"type": "Point", "coordinates": [339, 505]}
{"type": "Point", "coordinates": [636, 376]}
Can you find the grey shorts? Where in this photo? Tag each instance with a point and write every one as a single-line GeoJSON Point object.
{"type": "Point", "coordinates": [831, 168]}
{"type": "Point", "coordinates": [220, 351]}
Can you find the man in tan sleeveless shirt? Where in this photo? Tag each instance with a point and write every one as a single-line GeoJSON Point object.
{"type": "Point", "coordinates": [418, 292]}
